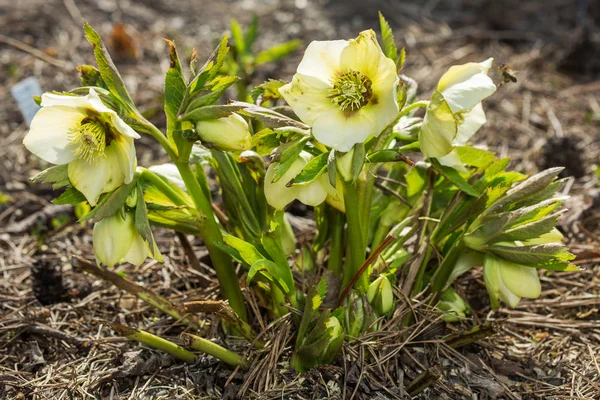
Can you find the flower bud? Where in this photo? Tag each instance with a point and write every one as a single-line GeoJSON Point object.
{"type": "Point", "coordinates": [454, 307]}
{"type": "Point", "coordinates": [509, 282]}
{"type": "Point", "coordinates": [228, 133]}
{"type": "Point", "coordinates": [380, 295]}
{"type": "Point", "coordinates": [116, 239]}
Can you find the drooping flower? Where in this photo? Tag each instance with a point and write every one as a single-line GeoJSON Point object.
{"type": "Point", "coordinates": [454, 113]}
{"type": "Point", "coordinates": [83, 132]}
{"type": "Point", "coordinates": [279, 195]}
{"type": "Point", "coordinates": [509, 282]}
{"type": "Point", "coordinates": [228, 133]}
{"type": "Point", "coordinates": [116, 240]}
{"type": "Point", "coordinates": [345, 90]}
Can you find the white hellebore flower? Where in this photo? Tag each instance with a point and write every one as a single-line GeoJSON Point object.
{"type": "Point", "coordinates": [278, 195]}
{"type": "Point", "coordinates": [345, 90]}
{"type": "Point", "coordinates": [228, 133]}
{"type": "Point", "coordinates": [509, 282]}
{"type": "Point", "coordinates": [454, 113]}
{"type": "Point", "coordinates": [83, 132]}
{"type": "Point", "coordinates": [116, 239]}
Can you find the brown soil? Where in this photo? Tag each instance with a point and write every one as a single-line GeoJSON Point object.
{"type": "Point", "coordinates": [53, 344]}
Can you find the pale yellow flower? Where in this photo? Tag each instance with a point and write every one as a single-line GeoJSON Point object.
{"type": "Point", "coordinates": [509, 282]}
{"type": "Point", "coordinates": [455, 113]}
{"type": "Point", "coordinates": [117, 240]}
{"type": "Point", "coordinates": [345, 90]}
{"type": "Point", "coordinates": [83, 132]}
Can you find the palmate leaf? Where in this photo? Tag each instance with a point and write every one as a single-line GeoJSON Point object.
{"type": "Point", "coordinates": [475, 157]}
{"type": "Point", "coordinates": [530, 230]}
{"type": "Point", "coordinates": [455, 177]}
{"type": "Point", "coordinates": [108, 71]}
{"type": "Point", "coordinates": [244, 252]}
{"type": "Point", "coordinates": [269, 90]}
{"type": "Point", "coordinates": [272, 119]}
{"type": "Point", "coordinates": [210, 69]}
{"type": "Point", "coordinates": [57, 173]}
{"type": "Point", "coordinates": [90, 76]}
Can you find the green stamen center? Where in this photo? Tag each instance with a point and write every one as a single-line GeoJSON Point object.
{"type": "Point", "coordinates": [91, 137]}
{"type": "Point", "coordinates": [351, 91]}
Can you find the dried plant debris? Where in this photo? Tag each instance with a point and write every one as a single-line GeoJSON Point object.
{"type": "Point", "coordinates": [52, 344]}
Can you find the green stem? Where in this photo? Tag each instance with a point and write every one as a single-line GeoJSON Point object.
{"type": "Point", "coordinates": [412, 106]}
{"type": "Point", "coordinates": [208, 347]}
{"type": "Point", "coordinates": [213, 238]}
{"type": "Point", "coordinates": [162, 139]}
{"type": "Point", "coordinates": [357, 247]}
{"type": "Point", "coordinates": [337, 243]}
{"type": "Point", "coordinates": [154, 342]}
{"type": "Point", "coordinates": [163, 187]}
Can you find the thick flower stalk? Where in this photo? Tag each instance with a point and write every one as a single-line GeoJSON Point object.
{"type": "Point", "coordinates": [117, 240]}
{"type": "Point", "coordinates": [91, 138]}
{"type": "Point", "coordinates": [455, 112]}
{"type": "Point", "coordinates": [345, 90]}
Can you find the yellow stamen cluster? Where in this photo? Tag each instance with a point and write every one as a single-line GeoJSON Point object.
{"type": "Point", "coordinates": [351, 91]}
{"type": "Point", "coordinates": [91, 137]}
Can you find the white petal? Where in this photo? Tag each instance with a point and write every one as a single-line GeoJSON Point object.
{"type": "Point", "coordinates": [169, 171]}
{"type": "Point", "coordinates": [276, 193]}
{"type": "Point", "coordinates": [48, 135]}
{"type": "Point", "coordinates": [438, 129]}
{"type": "Point", "coordinates": [308, 100]}
{"type": "Point", "coordinates": [521, 280]}
{"type": "Point", "coordinates": [94, 178]}
{"type": "Point", "coordinates": [312, 194]}
{"type": "Point", "coordinates": [364, 55]}
{"type": "Point", "coordinates": [113, 238]}
{"type": "Point", "coordinates": [460, 73]}
{"type": "Point", "coordinates": [472, 121]}
{"type": "Point", "coordinates": [384, 111]}
{"type": "Point", "coordinates": [97, 104]}
{"type": "Point", "coordinates": [335, 195]}
{"type": "Point", "coordinates": [507, 295]}
{"type": "Point", "coordinates": [340, 131]}
{"type": "Point", "coordinates": [53, 100]}
{"type": "Point", "coordinates": [465, 95]}
{"type": "Point", "coordinates": [138, 251]}
{"type": "Point", "coordinates": [452, 160]}
{"type": "Point", "coordinates": [466, 261]}
{"type": "Point", "coordinates": [125, 149]}
{"type": "Point", "coordinates": [491, 277]}
{"type": "Point", "coordinates": [321, 59]}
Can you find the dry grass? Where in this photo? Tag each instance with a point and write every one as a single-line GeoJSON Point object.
{"type": "Point", "coordinates": [53, 344]}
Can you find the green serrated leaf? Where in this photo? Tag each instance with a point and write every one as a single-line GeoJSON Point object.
{"type": "Point", "coordinates": [401, 60]}
{"type": "Point", "coordinates": [248, 254]}
{"type": "Point", "coordinates": [90, 76]}
{"type": "Point", "coordinates": [70, 196]}
{"type": "Point", "coordinates": [530, 230]}
{"type": "Point", "coordinates": [286, 155]}
{"type": "Point", "coordinates": [387, 36]}
{"type": "Point", "coordinates": [312, 170]}
{"type": "Point", "coordinates": [57, 173]}
{"type": "Point", "coordinates": [175, 88]}
{"type": "Point", "coordinates": [272, 119]}
{"type": "Point", "coordinates": [277, 52]}
{"type": "Point", "coordinates": [281, 275]}
{"type": "Point", "coordinates": [111, 203]}
{"type": "Point", "coordinates": [210, 112]}
{"type": "Point", "coordinates": [475, 157]}
{"type": "Point", "coordinates": [269, 90]}
{"type": "Point", "coordinates": [454, 176]}
{"type": "Point", "coordinates": [238, 37]}
{"type": "Point", "coordinates": [143, 225]}
{"type": "Point", "coordinates": [108, 71]}
{"type": "Point", "coordinates": [535, 254]}
{"type": "Point", "coordinates": [211, 68]}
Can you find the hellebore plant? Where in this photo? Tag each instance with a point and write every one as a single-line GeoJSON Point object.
{"type": "Point", "coordinates": [336, 138]}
